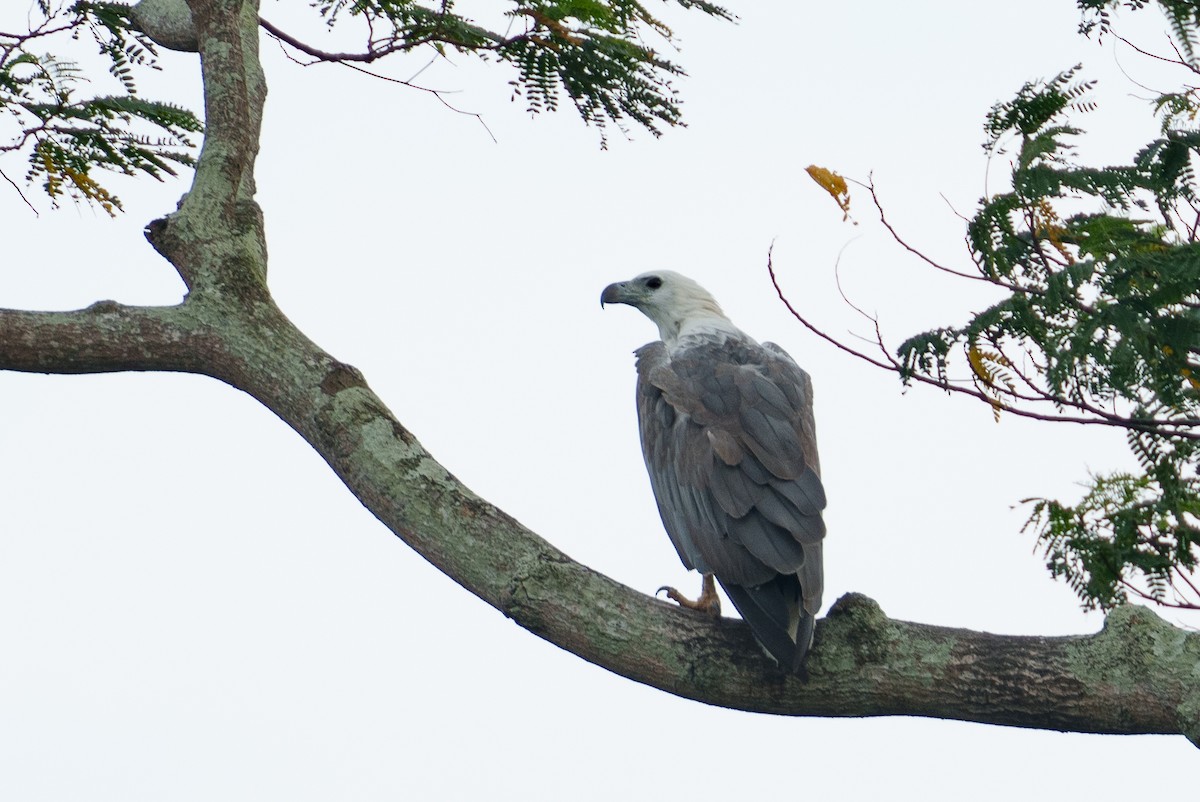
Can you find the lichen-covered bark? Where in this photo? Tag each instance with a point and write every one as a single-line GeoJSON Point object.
{"type": "Point", "coordinates": [168, 23]}
{"type": "Point", "coordinates": [1138, 675]}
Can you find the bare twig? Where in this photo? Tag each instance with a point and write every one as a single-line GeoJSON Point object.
{"type": "Point", "coordinates": [1188, 581]}
{"type": "Point", "coordinates": [437, 93]}
{"type": "Point", "coordinates": [32, 208]}
{"type": "Point", "coordinates": [1179, 427]}
{"type": "Point", "coordinates": [870, 187]}
{"type": "Point", "coordinates": [348, 60]}
{"type": "Point", "coordinates": [1178, 61]}
{"type": "Point", "coordinates": [372, 53]}
{"type": "Point", "coordinates": [831, 340]}
{"type": "Point", "coordinates": [394, 44]}
{"type": "Point", "coordinates": [1150, 597]}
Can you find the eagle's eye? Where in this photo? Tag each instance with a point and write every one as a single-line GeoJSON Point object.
{"type": "Point", "coordinates": [654, 282]}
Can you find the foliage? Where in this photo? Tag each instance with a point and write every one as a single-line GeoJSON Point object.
{"type": "Point", "coordinates": [1099, 323]}
{"type": "Point", "coordinates": [591, 49]}
{"type": "Point", "coordinates": [1182, 15]}
{"type": "Point", "coordinates": [594, 50]}
{"type": "Point", "coordinates": [69, 132]}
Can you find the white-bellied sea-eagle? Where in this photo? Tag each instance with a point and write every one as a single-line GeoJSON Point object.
{"type": "Point", "coordinates": [728, 436]}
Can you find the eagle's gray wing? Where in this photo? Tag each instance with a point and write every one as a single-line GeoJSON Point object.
{"type": "Point", "coordinates": [728, 437]}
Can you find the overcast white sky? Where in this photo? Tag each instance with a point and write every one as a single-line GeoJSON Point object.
{"type": "Point", "coordinates": [193, 607]}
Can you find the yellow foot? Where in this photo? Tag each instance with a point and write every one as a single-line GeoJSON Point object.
{"type": "Point", "coordinates": [708, 602]}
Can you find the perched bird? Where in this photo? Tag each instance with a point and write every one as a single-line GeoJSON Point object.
{"type": "Point", "coordinates": [728, 436]}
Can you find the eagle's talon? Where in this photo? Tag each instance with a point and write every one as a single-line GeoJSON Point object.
{"type": "Point", "coordinates": [708, 602]}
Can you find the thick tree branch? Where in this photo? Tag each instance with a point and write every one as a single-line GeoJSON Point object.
{"type": "Point", "coordinates": [234, 92]}
{"type": "Point", "coordinates": [1138, 675]}
{"type": "Point", "coordinates": [194, 238]}
{"type": "Point", "coordinates": [105, 337]}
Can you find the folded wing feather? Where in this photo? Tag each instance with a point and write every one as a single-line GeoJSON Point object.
{"type": "Point", "coordinates": [728, 436]}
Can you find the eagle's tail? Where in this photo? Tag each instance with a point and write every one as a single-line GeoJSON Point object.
{"type": "Point", "coordinates": [777, 618]}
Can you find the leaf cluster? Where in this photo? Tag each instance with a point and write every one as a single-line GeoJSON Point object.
{"type": "Point", "coordinates": [1099, 322]}
{"type": "Point", "coordinates": [1182, 15]}
{"type": "Point", "coordinates": [69, 132]}
{"type": "Point", "coordinates": [1131, 532]}
{"type": "Point", "coordinates": [594, 51]}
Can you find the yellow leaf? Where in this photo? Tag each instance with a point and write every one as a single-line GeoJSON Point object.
{"type": "Point", "coordinates": [1047, 223]}
{"type": "Point", "coordinates": [834, 184]}
{"type": "Point", "coordinates": [989, 378]}
{"type": "Point", "coordinates": [976, 359]}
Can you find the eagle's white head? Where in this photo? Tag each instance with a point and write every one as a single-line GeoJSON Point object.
{"type": "Point", "coordinates": [677, 305]}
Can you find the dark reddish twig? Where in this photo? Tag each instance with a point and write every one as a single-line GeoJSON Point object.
{"type": "Point", "coordinates": [21, 194]}
{"type": "Point", "coordinates": [1098, 416]}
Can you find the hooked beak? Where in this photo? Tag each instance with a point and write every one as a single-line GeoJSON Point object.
{"type": "Point", "coordinates": [615, 294]}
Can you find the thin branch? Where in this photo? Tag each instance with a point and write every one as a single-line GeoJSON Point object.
{"type": "Point", "coordinates": [322, 55]}
{"type": "Point", "coordinates": [335, 58]}
{"type": "Point", "coordinates": [1174, 427]}
{"type": "Point", "coordinates": [1188, 581]}
{"type": "Point", "coordinates": [395, 44]}
{"type": "Point", "coordinates": [21, 194]}
{"type": "Point", "coordinates": [899, 240]}
{"type": "Point", "coordinates": [1178, 61]}
{"type": "Point", "coordinates": [949, 206]}
{"type": "Point", "coordinates": [1141, 594]}
{"type": "Point", "coordinates": [435, 92]}
{"type": "Point", "coordinates": [38, 32]}
{"type": "Point", "coordinates": [870, 187]}
{"type": "Point", "coordinates": [417, 74]}
{"type": "Point", "coordinates": [831, 340]}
